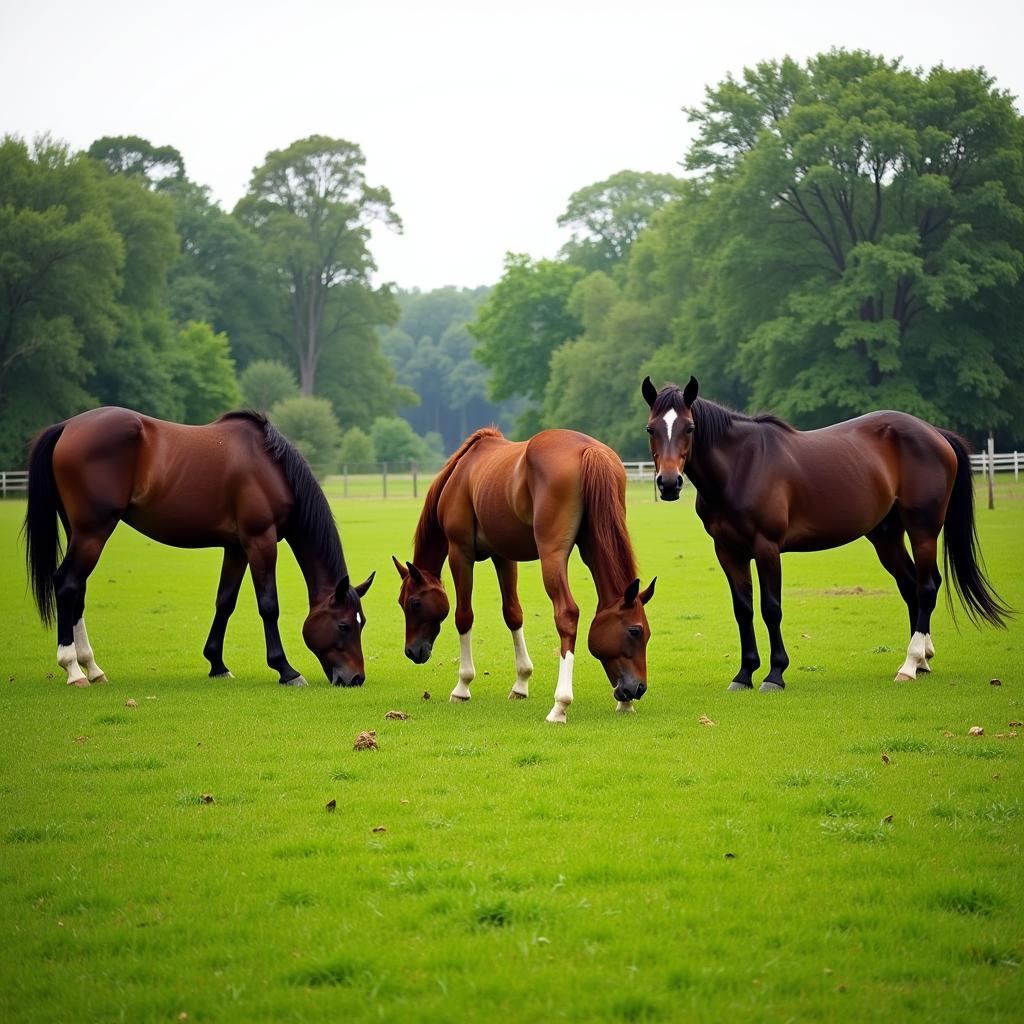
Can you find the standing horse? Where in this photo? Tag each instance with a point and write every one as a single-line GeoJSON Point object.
{"type": "Point", "coordinates": [764, 487]}
{"type": "Point", "coordinates": [236, 483]}
{"type": "Point", "coordinates": [515, 502]}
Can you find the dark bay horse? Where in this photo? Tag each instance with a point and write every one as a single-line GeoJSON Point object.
{"type": "Point", "coordinates": [519, 501]}
{"type": "Point", "coordinates": [236, 483]}
{"type": "Point", "coordinates": [764, 487]}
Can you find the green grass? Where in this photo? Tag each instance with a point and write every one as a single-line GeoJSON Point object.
{"type": "Point", "coordinates": [620, 868]}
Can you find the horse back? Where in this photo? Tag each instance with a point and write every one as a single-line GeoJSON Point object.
{"type": "Point", "coordinates": [190, 486]}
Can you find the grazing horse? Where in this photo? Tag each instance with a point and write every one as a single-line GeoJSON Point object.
{"type": "Point", "coordinates": [764, 487]}
{"type": "Point", "coordinates": [515, 502]}
{"type": "Point", "coordinates": [236, 483]}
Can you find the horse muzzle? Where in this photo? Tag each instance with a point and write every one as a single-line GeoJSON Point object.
{"type": "Point", "coordinates": [629, 688]}
{"type": "Point", "coordinates": [342, 678]}
{"type": "Point", "coordinates": [419, 654]}
{"type": "Point", "coordinates": [668, 488]}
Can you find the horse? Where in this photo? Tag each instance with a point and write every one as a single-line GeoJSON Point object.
{"type": "Point", "coordinates": [764, 487]}
{"type": "Point", "coordinates": [236, 483]}
{"type": "Point", "coordinates": [517, 501]}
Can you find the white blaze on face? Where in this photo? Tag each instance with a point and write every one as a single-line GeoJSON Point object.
{"type": "Point", "coordinates": [359, 619]}
{"type": "Point", "coordinates": [670, 418]}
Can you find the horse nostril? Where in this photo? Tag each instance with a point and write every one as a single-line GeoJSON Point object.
{"type": "Point", "coordinates": [410, 654]}
{"type": "Point", "coordinates": [679, 482]}
{"type": "Point", "coordinates": [659, 481]}
{"type": "Point", "coordinates": [357, 679]}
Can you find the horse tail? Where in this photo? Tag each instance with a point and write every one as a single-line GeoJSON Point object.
{"type": "Point", "coordinates": [961, 554]}
{"type": "Point", "coordinates": [603, 493]}
{"type": "Point", "coordinates": [43, 548]}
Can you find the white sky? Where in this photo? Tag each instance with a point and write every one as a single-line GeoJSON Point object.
{"type": "Point", "coordinates": [480, 118]}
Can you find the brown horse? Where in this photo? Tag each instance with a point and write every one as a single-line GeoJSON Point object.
{"type": "Point", "coordinates": [764, 487]}
{"type": "Point", "coordinates": [236, 483]}
{"type": "Point", "coordinates": [515, 502]}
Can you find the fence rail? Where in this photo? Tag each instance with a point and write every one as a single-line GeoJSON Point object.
{"type": "Point", "coordinates": [409, 481]}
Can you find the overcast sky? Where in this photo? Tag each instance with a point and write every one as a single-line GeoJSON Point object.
{"type": "Point", "coordinates": [481, 118]}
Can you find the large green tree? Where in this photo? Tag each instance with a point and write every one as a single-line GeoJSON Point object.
{"type": "Point", "coordinates": [312, 209]}
{"type": "Point", "coordinates": [60, 275]}
{"type": "Point", "coordinates": [607, 217]}
{"type": "Point", "coordinates": [862, 227]}
{"type": "Point", "coordinates": [526, 317]}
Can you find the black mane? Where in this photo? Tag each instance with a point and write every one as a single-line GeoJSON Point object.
{"type": "Point", "coordinates": [712, 421]}
{"type": "Point", "coordinates": [312, 517]}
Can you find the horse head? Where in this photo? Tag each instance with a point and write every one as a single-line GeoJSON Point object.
{"type": "Point", "coordinates": [425, 604]}
{"type": "Point", "coordinates": [333, 632]}
{"type": "Point", "coordinates": [670, 426]}
{"type": "Point", "coordinates": [618, 639]}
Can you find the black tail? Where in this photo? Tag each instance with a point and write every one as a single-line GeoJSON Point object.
{"type": "Point", "coordinates": [960, 553]}
{"type": "Point", "coordinates": [43, 548]}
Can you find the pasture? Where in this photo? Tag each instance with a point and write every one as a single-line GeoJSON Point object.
{"type": "Point", "coordinates": [483, 864]}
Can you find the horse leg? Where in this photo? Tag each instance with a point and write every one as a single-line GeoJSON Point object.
{"type": "Point", "coordinates": [737, 571]}
{"type": "Point", "coordinates": [261, 553]}
{"type": "Point", "coordinates": [73, 648]}
{"type": "Point", "coordinates": [887, 539]}
{"type": "Point", "coordinates": [508, 574]}
{"type": "Point", "coordinates": [769, 578]}
{"type": "Point", "coordinates": [231, 574]}
{"type": "Point", "coordinates": [554, 563]}
{"type": "Point", "coordinates": [924, 543]}
{"type": "Point", "coordinates": [462, 573]}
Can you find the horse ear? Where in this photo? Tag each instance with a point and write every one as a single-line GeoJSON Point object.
{"type": "Point", "coordinates": [363, 587]}
{"type": "Point", "coordinates": [341, 590]}
{"type": "Point", "coordinates": [417, 576]}
{"type": "Point", "coordinates": [650, 392]}
{"type": "Point", "coordinates": [629, 597]}
{"type": "Point", "coordinates": [690, 391]}
{"type": "Point", "coordinates": [402, 571]}
{"type": "Point", "coordinates": [649, 592]}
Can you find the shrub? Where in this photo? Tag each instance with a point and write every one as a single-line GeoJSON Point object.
{"type": "Point", "coordinates": [357, 449]}
{"type": "Point", "coordinates": [310, 425]}
{"type": "Point", "coordinates": [266, 382]}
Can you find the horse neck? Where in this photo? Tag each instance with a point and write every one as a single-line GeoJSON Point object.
{"type": "Point", "coordinates": [709, 469]}
{"type": "Point", "coordinates": [430, 547]}
{"type": "Point", "coordinates": [319, 568]}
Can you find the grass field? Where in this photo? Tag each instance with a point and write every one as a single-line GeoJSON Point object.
{"type": "Point", "coordinates": [621, 868]}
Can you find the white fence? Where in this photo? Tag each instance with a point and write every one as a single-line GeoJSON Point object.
{"type": "Point", "coordinates": [16, 481]}
{"type": "Point", "coordinates": [1004, 462]}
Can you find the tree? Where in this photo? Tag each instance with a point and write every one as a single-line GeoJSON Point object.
{"type": "Point", "coordinates": [60, 274]}
{"type": "Point", "coordinates": [395, 442]}
{"type": "Point", "coordinates": [205, 373]}
{"type": "Point", "coordinates": [525, 318]}
{"type": "Point", "coordinates": [310, 425]}
{"type": "Point", "coordinates": [357, 450]}
{"type": "Point", "coordinates": [607, 217]}
{"type": "Point", "coordinates": [266, 382]}
{"type": "Point", "coordinates": [137, 157]}
{"type": "Point", "coordinates": [311, 207]}
{"type": "Point", "coordinates": [873, 222]}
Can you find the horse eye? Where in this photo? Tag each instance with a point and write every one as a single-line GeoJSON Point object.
{"type": "Point", "coordinates": [650, 429]}
{"type": "Point", "coordinates": [415, 604]}
{"type": "Point", "coordinates": [344, 627]}
{"type": "Point", "coordinates": [636, 632]}
{"type": "Point", "coordinates": [690, 428]}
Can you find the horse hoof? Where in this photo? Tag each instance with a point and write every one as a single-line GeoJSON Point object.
{"type": "Point", "coordinates": [81, 682]}
{"type": "Point", "coordinates": [924, 667]}
{"type": "Point", "coordinates": [738, 687]}
{"type": "Point", "coordinates": [514, 694]}
{"type": "Point", "coordinates": [902, 677]}
{"type": "Point", "coordinates": [457, 699]}
{"type": "Point", "coordinates": [295, 681]}
{"type": "Point", "coordinates": [101, 678]}
{"type": "Point", "coordinates": [226, 674]}
{"type": "Point", "coordinates": [769, 687]}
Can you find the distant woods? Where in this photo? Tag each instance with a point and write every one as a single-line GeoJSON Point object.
{"type": "Point", "coordinates": [848, 235]}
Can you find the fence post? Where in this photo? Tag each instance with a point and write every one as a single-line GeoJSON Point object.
{"type": "Point", "coordinates": [1016, 466]}
{"type": "Point", "coordinates": [384, 477]}
{"type": "Point", "coordinates": [412, 466]}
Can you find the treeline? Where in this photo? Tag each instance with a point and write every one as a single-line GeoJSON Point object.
{"type": "Point", "coordinates": [122, 282]}
{"type": "Point", "coordinates": [850, 237]}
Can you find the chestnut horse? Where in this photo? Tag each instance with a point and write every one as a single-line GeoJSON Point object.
{"type": "Point", "coordinates": [236, 483]}
{"type": "Point", "coordinates": [764, 487]}
{"type": "Point", "coordinates": [515, 502]}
